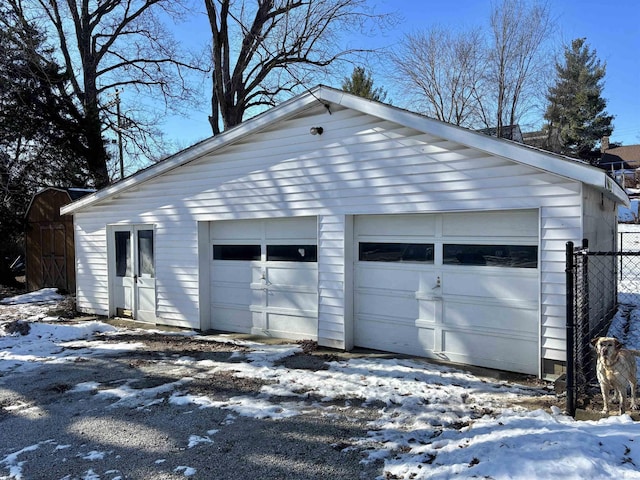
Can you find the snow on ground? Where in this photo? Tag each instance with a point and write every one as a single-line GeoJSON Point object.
{"type": "Point", "coordinates": [630, 213]}
{"type": "Point", "coordinates": [435, 422]}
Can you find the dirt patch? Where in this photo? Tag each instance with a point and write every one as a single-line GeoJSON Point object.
{"type": "Point", "coordinates": [544, 402]}
{"type": "Point", "coordinates": [10, 291]}
{"type": "Point", "coordinates": [224, 385]}
{"type": "Point", "coordinates": [171, 343]}
{"type": "Point", "coordinates": [307, 361]}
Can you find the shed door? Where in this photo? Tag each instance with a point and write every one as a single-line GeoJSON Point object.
{"type": "Point", "coordinates": [460, 287]}
{"type": "Point", "coordinates": [264, 277]}
{"type": "Point", "coordinates": [132, 270]}
{"type": "Point", "coordinates": [53, 255]}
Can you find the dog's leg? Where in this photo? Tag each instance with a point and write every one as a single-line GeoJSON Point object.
{"type": "Point", "coordinates": [622, 395]}
{"type": "Point", "coordinates": [604, 388]}
{"type": "Point", "coordinates": [634, 384]}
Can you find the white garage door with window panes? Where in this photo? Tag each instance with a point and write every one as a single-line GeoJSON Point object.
{"type": "Point", "coordinates": [264, 277]}
{"type": "Point", "coordinates": [461, 287]}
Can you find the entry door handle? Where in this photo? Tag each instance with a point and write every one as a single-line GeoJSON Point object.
{"type": "Point", "coordinates": [135, 279]}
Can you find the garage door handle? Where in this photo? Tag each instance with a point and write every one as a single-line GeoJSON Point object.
{"type": "Point", "coordinates": [438, 284]}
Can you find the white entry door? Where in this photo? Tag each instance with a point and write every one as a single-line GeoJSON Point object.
{"type": "Point", "coordinates": [133, 280]}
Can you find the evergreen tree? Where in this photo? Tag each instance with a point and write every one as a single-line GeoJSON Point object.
{"type": "Point", "coordinates": [576, 114]}
{"type": "Point", "coordinates": [39, 138]}
{"type": "Point", "coordinates": [360, 83]}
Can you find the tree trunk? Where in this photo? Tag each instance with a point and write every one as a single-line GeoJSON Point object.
{"type": "Point", "coordinates": [97, 155]}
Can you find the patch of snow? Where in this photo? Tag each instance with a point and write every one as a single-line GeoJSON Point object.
{"type": "Point", "coordinates": [195, 440]}
{"type": "Point", "coordinates": [187, 471]}
{"type": "Point", "coordinates": [46, 295]}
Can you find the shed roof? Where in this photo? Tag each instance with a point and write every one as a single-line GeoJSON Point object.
{"type": "Point", "coordinates": [536, 158]}
{"type": "Point", "coordinates": [72, 192]}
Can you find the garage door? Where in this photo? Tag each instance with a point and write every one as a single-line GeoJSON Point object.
{"type": "Point", "coordinates": [459, 287]}
{"type": "Point", "coordinates": [264, 277]}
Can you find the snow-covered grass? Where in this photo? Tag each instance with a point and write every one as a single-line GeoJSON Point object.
{"type": "Point", "coordinates": [40, 297]}
{"type": "Point", "coordinates": [434, 422]}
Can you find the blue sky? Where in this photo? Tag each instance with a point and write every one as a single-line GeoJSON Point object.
{"type": "Point", "coordinates": [612, 28]}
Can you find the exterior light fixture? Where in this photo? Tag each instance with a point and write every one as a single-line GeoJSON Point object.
{"type": "Point", "coordinates": [316, 130]}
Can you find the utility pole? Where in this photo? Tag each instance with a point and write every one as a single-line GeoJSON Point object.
{"type": "Point", "coordinates": [120, 156]}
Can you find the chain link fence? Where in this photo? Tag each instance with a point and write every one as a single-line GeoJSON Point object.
{"type": "Point", "coordinates": [603, 291]}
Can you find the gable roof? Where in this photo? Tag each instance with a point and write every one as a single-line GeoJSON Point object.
{"type": "Point", "coordinates": [624, 157]}
{"type": "Point", "coordinates": [548, 162]}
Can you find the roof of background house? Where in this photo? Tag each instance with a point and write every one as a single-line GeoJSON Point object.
{"type": "Point", "coordinates": [509, 132]}
{"type": "Point", "coordinates": [76, 193]}
{"type": "Point", "coordinates": [625, 157]}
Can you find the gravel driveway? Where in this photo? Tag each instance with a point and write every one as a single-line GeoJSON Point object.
{"type": "Point", "coordinates": [143, 404]}
{"type": "Point", "coordinates": [51, 431]}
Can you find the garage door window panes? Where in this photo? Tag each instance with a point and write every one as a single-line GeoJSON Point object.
{"type": "Point", "coordinates": [292, 253]}
{"type": "Point", "coordinates": [236, 252]}
{"type": "Point", "coordinates": [396, 252]}
{"type": "Point", "coordinates": [515, 256]}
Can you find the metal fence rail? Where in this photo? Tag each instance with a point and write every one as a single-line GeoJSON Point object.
{"type": "Point", "coordinates": [602, 290]}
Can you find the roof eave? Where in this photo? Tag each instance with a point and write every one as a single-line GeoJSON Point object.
{"type": "Point", "coordinates": [196, 151]}
{"type": "Point", "coordinates": [545, 161]}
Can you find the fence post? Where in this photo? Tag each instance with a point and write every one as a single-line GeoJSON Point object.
{"type": "Point", "coordinates": [620, 249]}
{"type": "Point", "coordinates": [570, 325]}
{"type": "Point", "coordinates": [583, 322]}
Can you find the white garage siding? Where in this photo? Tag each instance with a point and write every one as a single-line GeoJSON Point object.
{"type": "Point", "coordinates": [92, 289]}
{"type": "Point", "coordinates": [335, 278]}
{"type": "Point", "coordinates": [361, 164]}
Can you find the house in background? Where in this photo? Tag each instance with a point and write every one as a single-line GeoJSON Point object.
{"type": "Point", "coordinates": [49, 246]}
{"type": "Point", "coordinates": [509, 132]}
{"type": "Point", "coordinates": [335, 218]}
{"type": "Point", "coordinates": [622, 162]}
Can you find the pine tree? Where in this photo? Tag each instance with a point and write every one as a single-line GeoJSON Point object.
{"type": "Point", "coordinates": [40, 143]}
{"type": "Point", "coordinates": [360, 83]}
{"type": "Point", "coordinates": [576, 114]}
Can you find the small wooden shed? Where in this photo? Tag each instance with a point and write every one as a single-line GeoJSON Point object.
{"type": "Point", "coordinates": [50, 257]}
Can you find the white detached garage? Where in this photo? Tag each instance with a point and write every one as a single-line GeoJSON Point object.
{"type": "Point", "coordinates": [338, 219]}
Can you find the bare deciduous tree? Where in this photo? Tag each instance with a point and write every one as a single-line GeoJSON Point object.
{"type": "Point", "coordinates": [263, 48]}
{"type": "Point", "coordinates": [108, 45]}
{"type": "Point", "coordinates": [516, 61]}
{"type": "Point", "coordinates": [480, 78]}
{"type": "Point", "coordinates": [445, 69]}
